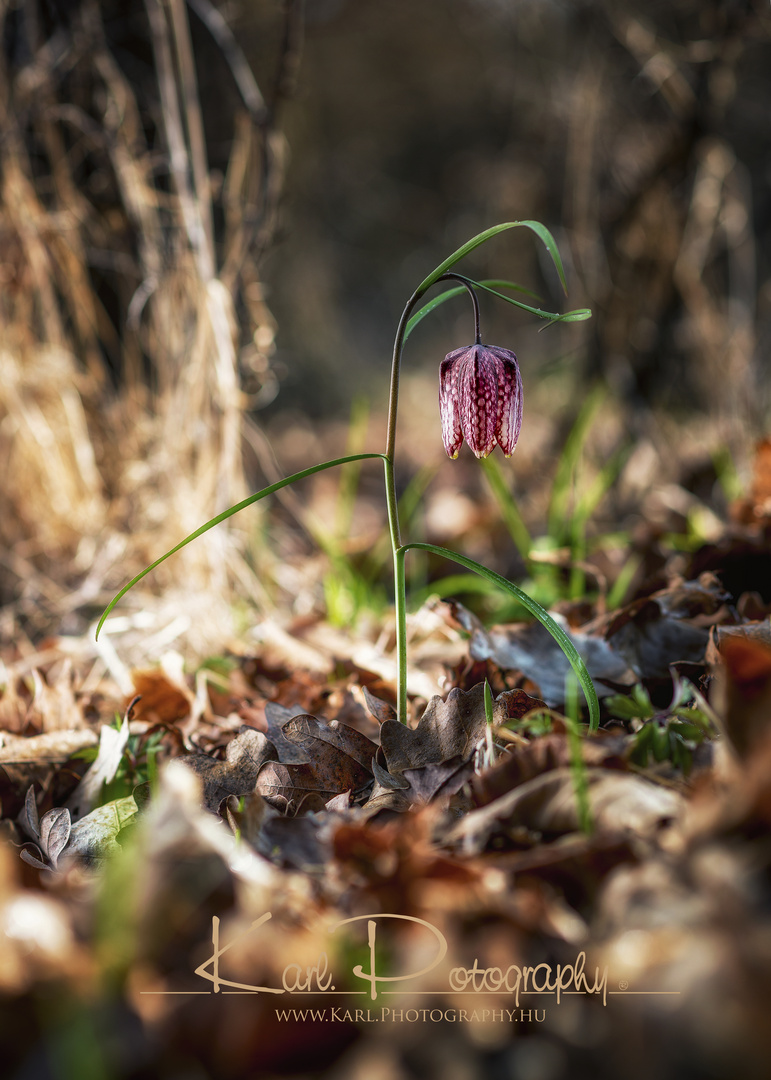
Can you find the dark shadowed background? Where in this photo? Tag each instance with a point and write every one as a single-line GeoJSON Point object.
{"type": "Point", "coordinates": [387, 134]}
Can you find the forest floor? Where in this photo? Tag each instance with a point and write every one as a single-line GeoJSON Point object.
{"type": "Point", "coordinates": [250, 868]}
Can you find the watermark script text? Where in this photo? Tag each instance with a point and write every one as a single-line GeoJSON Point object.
{"type": "Point", "coordinates": [317, 978]}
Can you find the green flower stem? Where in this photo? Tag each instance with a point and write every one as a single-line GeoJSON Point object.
{"type": "Point", "coordinates": [400, 603]}
{"type": "Point", "coordinates": [400, 592]}
{"type": "Point", "coordinates": [556, 631]}
{"type": "Point", "coordinates": [229, 513]}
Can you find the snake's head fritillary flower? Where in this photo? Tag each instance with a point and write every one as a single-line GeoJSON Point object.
{"type": "Point", "coordinates": [480, 399]}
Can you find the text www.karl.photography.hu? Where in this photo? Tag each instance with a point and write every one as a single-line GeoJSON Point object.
{"type": "Point", "coordinates": [411, 1016]}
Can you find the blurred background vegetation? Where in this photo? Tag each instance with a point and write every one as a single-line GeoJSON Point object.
{"type": "Point", "coordinates": [211, 215]}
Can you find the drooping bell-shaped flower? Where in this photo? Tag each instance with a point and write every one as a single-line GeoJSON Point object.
{"type": "Point", "coordinates": [480, 399]}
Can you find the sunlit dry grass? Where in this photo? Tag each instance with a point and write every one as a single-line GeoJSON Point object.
{"type": "Point", "coordinates": [119, 434]}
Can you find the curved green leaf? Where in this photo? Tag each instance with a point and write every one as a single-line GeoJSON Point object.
{"type": "Point", "coordinates": [486, 284]}
{"type": "Point", "coordinates": [579, 315]}
{"type": "Point", "coordinates": [543, 616]}
{"type": "Point", "coordinates": [451, 585]}
{"type": "Point", "coordinates": [502, 283]}
{"type": "Point", "coordinates": [540, 230]}
{"type": "Point", "coordinates": [229, 513]}
{"type": "Point", "coordinates": [437, 301]}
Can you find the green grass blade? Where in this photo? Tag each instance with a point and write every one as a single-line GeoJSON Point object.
{"type": "Point", "coordinates": [543, 616]}
{"type": "Point", "coordinates": [535, 226]}
{"type": "Point", "coordinates": [451, 585]}
{"type": "Point", "coordinates": [501, 283]}
{"type": "Point", "coordinates": [562, 488]}
{"type": "Point", "coordinates": [596, 491]}
{"type": "Point", "coordinates": [577, 763]}
{"type": "Point", "coordinates": [509, 510]}
{"type": "Point", "coordinates": [349, 474]}
{"type": "Point", "coordinates": [579, 315]}
{"type": "Point", "coordinates": [432, 305]}
{"type": "Point", "coordinates": [620, 586]}
{"type": "Point", "coordinates": [489, 705]}
{"type": "Point", "coordinates": [229, 513]}
{"type": "Point", "coordinates": [487, 284]}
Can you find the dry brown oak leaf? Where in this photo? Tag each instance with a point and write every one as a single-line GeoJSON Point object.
{"type": "Point", "coordinates": [340, 761]}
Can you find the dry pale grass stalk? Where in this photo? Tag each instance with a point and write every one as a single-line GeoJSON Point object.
{"type": "Point", "coordinates": [110, 275]}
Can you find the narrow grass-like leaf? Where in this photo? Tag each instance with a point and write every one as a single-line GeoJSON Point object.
{"type": "Point", "coordinates": [620, 587]}
{"type": "Point", "coordinates": [502, 283]}
{"type": "Point", "coordinates": [490, 744]}
{"type": "Point", "coordinates": [562, 488]}
{"type": "Point", "coordinates": [540, 230]}
{"type": "Point", "coordinates": [487, 284]}
{"type": "Point", "coordinates": [599, 487]}
{"type": "Point", "coordinates": [489, 705]}
{"type": "Point", "coordinates": [432, 305]}
{"type": "Point", "coordinates": [509, 510]}
{"type": "Point", "coordinates": [451, 585]}
{"type": "Point", "coordinates": [543, 616]}
{"type": "Point", "coordinates": [229, 513]}
{"type": "Point", "coordinates": [579, 315]}
{"type": "Point", "coordinates": [349, 474]}
{"type": "Point", "coordinates": [577, 763]}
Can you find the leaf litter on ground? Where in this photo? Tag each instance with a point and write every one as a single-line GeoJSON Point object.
{"type": "Point", "coordinates": [298, 793]}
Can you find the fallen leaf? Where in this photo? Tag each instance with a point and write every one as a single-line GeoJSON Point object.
{"type": "Point", "coordinates": [530, 648]}
{"type": "Point", "coordinates": [237, 774]}
{"type": "Point", "coordinates": [387, 799]}
{"type": "Point", "coordinates": [339, 803]}
{"type": "Point", "coordinates": [668, 626]}
{"type": "Point", "coordinates": [247, 821]}
{"type": "Point", "coordinates": [298, 843]}
{"type": "Point", "coordinates": [14, 707]}
{"type": "Point", "coordinates": [94, 836]}
{"type": "Point", "coordinates": [162, 701]}
{"type": "Point", "coordinates": [52, 746]}
{"type": "Point", "coordinates": [49, 833]}
{"type": "Point", "coordinates": [25, 761]}
{"type": "Point", "coordinates": [381, 710]}
{"type": "Point", "coordinates": [301, 788]}
{"type": "Point", "coordinates": [54, 706]}
{"type": "Point", "coordinates": [516, 704]}
{"type": "Point", "coordinates": [444, 778]}
{"type": "Point", "coordinates": [447, 729]}
{"type": "Point", "coordinates": [619, 802]}
{"type": "Point", "coordinates": [540, 755]}
{"type": "Point", "coordinates": [741, 694]}
{"type": "Point", "coordinates": [112, 745]}
{"type": "Point", "coordinates": [270, 720]}
{"type": "Point", "coordinates": [308, 732]}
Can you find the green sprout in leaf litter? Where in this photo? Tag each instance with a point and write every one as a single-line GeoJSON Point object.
{"type": "Point", "coordinates": [489, 743]}
{"type": "Point", "coordinates": [480, 401]}
{"type": "Point", "coordinates": [671, 734]}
